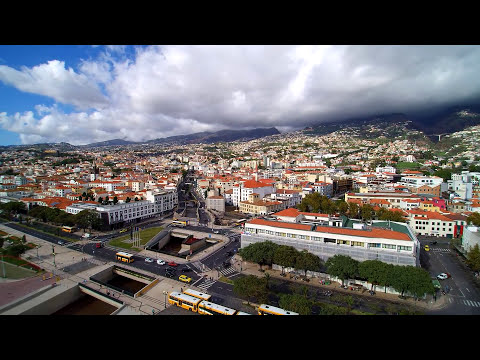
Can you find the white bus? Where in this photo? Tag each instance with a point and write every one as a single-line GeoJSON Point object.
{"type": "Point", "coordinates": [184, 301]}
{"type": "Point", "coordinates": [265, 309]}
{"type": "Point", "coordinates": [197, 294]}
{"type": "Point", "coordinates": [208, 308]}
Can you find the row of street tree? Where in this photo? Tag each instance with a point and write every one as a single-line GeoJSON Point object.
{"type": "Point", "coordinates": [86, 219]}
{"type": "Point", "coordinates": [404, 279]}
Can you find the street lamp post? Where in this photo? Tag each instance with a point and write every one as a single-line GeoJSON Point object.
{"type": "Point", "coordinates": [53, 252]}
{"type": "Point", "coordinates": [3, 266]}
{"type": "Point", "coordinates": [165, 294]}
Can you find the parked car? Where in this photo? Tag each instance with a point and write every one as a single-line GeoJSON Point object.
{"type": "Point", "coordinates": [186, 269]}
{"type": "Point", "coordinates": [160, 262]}
{"type": "Point", "coordinates": [60, 242]}
{"type": "Point", "coordinates": [229, 253]}
{"type": "Point", "coordinates": [433, 243]}
{"type": "Point", "coordinates": [123, 230]}
{"type": "Point", "coordinates": [226, 264]}
{"type": "Point", "coordinates": [185, 279]}
{"type": "Point", "coordinates": [148, 260]}
{"type": "Point", "coordinates": [172, 263]}
{"type": "Point", "coordinates": [169, 274]}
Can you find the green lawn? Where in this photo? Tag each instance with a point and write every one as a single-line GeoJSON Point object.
{"type": "Point", "coordinates": [15, 272]}
{"type": "Point", "coordinates": [407, 165]}
{"type": "Point", "coordinates": [145, 236]}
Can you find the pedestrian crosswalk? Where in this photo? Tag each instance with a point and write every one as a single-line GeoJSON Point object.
{"type": "Point", "coordinates": [206, 283]}
{"type": "Point", "coordinates": [465, 302]}
{"type": "Point", "coordinates": [228, 271]}
{"type": "Point", "coordinates": [471, 303]}
{"type": "Point", "coordinates": [200, 266]}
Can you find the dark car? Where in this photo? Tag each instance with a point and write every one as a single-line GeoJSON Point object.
{"type": "Point", "coordinates": [229, 253]}
{"type": "Point", "coordinates": [186, 269]}
{"type": "Point", "coordinates": [433, 243]}
{"type": "Point", "coordinates": [226, 264]}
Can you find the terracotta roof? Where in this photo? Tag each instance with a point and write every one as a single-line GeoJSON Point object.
{"type": "Point", "coordinates": [371, 233]}
{"type": "Point", "coordinates": [254, 184]}
{"type": "Point", "coordinates": [430, 215]}
{"type": "Point", "coordinates": [280, 224]}
{"type": "Point", "coordinates": [290, 212]}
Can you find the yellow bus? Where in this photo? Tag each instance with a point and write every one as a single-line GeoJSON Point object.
{"type": "Point", "coordinates": [68, 229]}
{"type": "Point", "coordinates": [242, 313]}
{"type": "Point", "coordinates": [240, 222]}
{"type": "Point", "coordinates": [208, 308]}
{"type": "Point", "coordinates": [184, 301]}
{"type": "Point", "coordinates": [124, 257]}
{"type": "Point", "coordinates": [197, 294]}
{"type": "Point", "coordinates": [179, 223]}
{"type": "Point", "coordinates": [265, 309]}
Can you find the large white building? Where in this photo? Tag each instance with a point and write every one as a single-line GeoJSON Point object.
{"type": "Point", "coordinates": [390, 242]}
{"type": "Point", "coordinates": [431, 223]}
{"type": "Point", "coordinates": [462, 184]}
{"type": "Point", "coordinates": [156, 203]}
{"type": "Point", "coordinates": [244, 189]}
{"type": "Point", "coordinates": [471, 237]}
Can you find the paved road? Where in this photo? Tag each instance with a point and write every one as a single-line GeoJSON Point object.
{"type": "Point", "coordinates": [463, 297]}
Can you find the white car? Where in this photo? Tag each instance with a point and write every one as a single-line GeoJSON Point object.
{"type": "Point", "coordinates": [442, 276]}
{"type": "Point", "coordinates": [160, 262]}
{"type": "Point", "coordinates": [148, 260]}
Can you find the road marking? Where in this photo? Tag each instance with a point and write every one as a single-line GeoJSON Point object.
{"type": "Point", "coordinates": [467, 289]}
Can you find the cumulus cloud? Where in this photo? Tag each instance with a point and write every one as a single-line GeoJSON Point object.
{"type": "Point", "coordinates": [53, 80]}
{"type": "Point", "coordinates": [162, 91]}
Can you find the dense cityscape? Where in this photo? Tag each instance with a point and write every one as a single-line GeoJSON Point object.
{"type": "Point", "coordinates": [373, 216]}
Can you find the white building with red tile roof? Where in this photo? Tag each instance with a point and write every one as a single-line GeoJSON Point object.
{"type": "Point", "coordinates": [242, 190]}
{"type": "Point", "coordinates": [391, 242]}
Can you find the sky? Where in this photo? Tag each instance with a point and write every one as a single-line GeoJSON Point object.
{"type": "Point", "coordinates": [83, 94]}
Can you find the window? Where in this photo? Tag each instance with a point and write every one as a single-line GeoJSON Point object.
{"type": "Point", "coordinates": [389, 246]}
{"type": "Point", "coordinates": [358, 243]}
